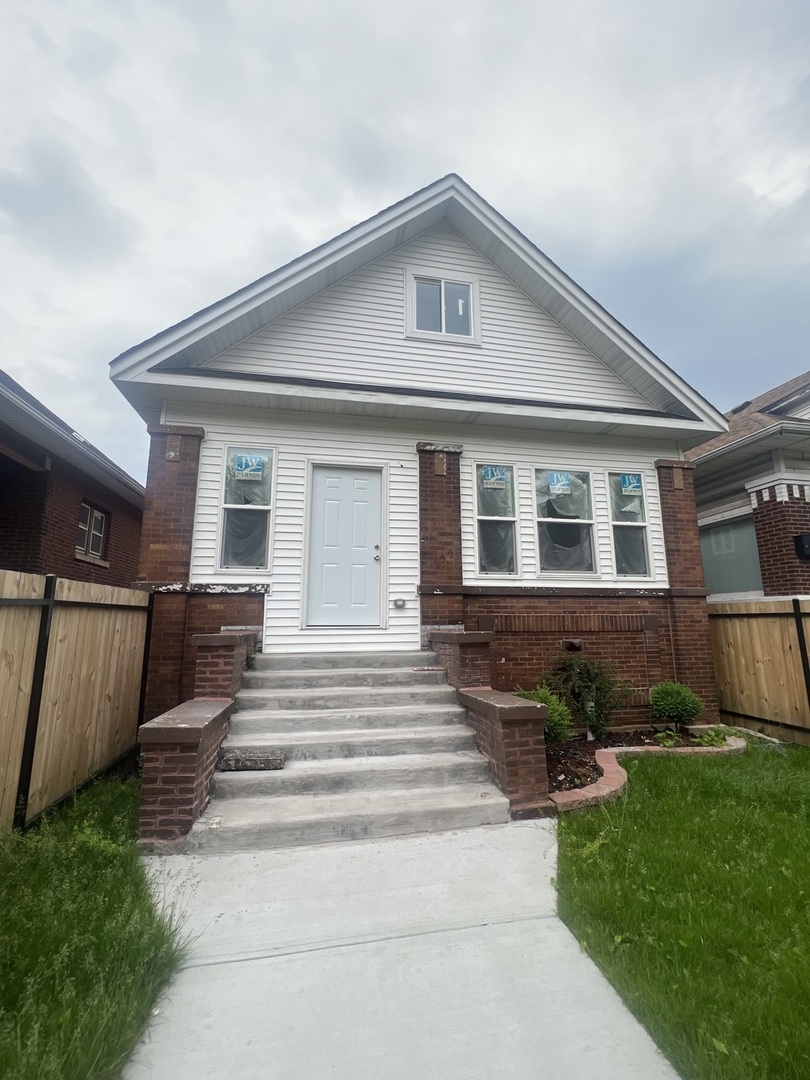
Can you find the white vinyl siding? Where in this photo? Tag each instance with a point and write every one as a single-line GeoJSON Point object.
{"type": "Point", "coordinates": [299, 441]}
{"type": "Point", "coordinates": [354, 332]}
{"type": "Point", "coordinates": [297, 445]}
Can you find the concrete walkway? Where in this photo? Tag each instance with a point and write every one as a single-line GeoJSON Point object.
{"type": "Point", "coordinates": [431, 957]}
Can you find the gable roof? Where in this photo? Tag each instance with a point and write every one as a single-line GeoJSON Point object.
{"type": "Point", "coordinates": [762, 424]}
{"type": "Point", "coordinates": [182, 348]}
{"type": "Point", "coordinates": [24, 414]}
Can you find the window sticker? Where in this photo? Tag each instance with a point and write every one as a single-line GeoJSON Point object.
{"type": "Point", "coordinates": [559, 483]}
{"type": "Point", "coordinates": [631, 483]}
{"type": "Point", "coordinates": [248, 467]}
{"type": "Point", "coordinates": [493, 477]}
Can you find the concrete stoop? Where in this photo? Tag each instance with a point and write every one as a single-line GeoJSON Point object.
{"type": "Point", "coordinates": [374, 745]}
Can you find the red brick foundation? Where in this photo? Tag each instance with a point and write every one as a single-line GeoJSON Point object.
{"type": "Point", "coordinates": [464, 656]}
{"type": "Point", "coordinates": [221, 662]}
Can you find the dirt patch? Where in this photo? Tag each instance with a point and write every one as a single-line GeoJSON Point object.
{"type": "Point", "coordinates": [572, 764]}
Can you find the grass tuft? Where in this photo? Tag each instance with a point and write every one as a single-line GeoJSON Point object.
{"type": "Point", "coordinates": [693, 896]}
{"type": "Point", "coordinates": [83, 952]}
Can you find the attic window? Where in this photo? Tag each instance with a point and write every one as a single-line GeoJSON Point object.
{"type": "Point", "coordinates": [441, 307]}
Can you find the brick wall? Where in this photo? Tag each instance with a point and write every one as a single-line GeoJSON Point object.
{"type": "Point", "coordinates": [171, 496]}
{"type": "Point", "coordinates": [784, 514]}
{"type": "Point", "coordinates": [440, 531]}
{"type": "Point", "coordinates": [40, 516]}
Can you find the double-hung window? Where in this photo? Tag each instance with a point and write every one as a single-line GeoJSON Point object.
{"type": "Point", "coordinates": [564, 520]}
{"type": "Point", "coordinates": [91, 536]}
{"type": "Point", "coordinates": [629, 522]}
{"type": "Point", "coordinates": [246, 508]}
{"type": "Point", "coordinates": [497, 520]}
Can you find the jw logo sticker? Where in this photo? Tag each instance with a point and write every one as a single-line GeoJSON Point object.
{"type": "Point", "coordinates": [493, 477]}
{"type": "Point", "coordinates": [631, 483]}
{"type": "Point", "coordinates": [248, 467]}
{"type": "Point", "coordinates": [559, 483]}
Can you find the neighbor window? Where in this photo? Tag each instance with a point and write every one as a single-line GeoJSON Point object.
{"type": "Point", "coordinates": [629, 524]}
{"type": "Point", "coordinates": [730, 557]}
{"type": "Point", "coordinates": [564, 520]}
{"type": "Point", "coordinates": [495, 489]}
{"type": "Point", "coordinates": [246, 508]}
{"type": "Point", "coordinates": [91, 536]}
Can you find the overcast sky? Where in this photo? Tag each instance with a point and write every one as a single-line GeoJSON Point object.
{"type": "Point", "coordinates": [155, 156]}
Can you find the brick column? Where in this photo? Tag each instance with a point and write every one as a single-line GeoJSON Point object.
{"type": "Point", "coordinates": [165, 560]}
{"type": "Point", "coordinates": [178, 758]}
{"type": "Point", "coordinates": [464, 655]}
{"type": "Point", "coordinates": [782, 511]}
{"type": "Point", "coordinates": [221, 663]}
{"type": "Point", "coordinates": [689, 617]}
{"type": "Point", "coordinates": [440, 534]}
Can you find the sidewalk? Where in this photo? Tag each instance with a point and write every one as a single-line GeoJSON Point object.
{"type": "Point", "coordinates": [431, 957]}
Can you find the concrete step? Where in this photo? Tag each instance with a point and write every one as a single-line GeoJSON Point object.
{"type": "Point", "coordinates": [276, 661]}
{"type": "Point", "coordinates": [394, 716]}
{"type": "Point", "coordinates": [356, 697]}
{"type": "Point", "coordinates": [330, 776]}
{"type": "Point", "coordinates": [311, 678]}
{"type": "Point", "coordinates": [250, 824]}
{"type": "Point", "coordinates": [310, 745]}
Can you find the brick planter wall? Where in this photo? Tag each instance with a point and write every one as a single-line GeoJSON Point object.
{"type": "Point", "coordinates": [464, 656]}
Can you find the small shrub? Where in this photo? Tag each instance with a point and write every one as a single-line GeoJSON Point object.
{"type": "Point", "coordinates": [558, 720]}
{"type": "Point", "coordinates": [667, 739]}
{"type": "Point", "coordinates": [591, 689]}
{"type": "Point", "coordinates": [672, 702]}
{"type": "Point", "coordinates": [711, 737]}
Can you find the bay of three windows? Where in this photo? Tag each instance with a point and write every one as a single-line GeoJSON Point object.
{"type": "Point", "coordinates": [564, 517]}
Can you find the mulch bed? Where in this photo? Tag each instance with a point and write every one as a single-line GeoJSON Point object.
{"type": "Point", "coordinates": [572, 764]}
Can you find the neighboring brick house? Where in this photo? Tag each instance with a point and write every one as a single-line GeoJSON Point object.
{"type": "Point", "coordinates": [753, 496]}
{"type": "Point", "coordinates": [422, 423]}
{"type": "Point", "coordinates": [66, 508]}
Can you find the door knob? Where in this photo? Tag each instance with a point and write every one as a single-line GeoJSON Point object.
{"type": "Point", "coordinates": [376, 558]}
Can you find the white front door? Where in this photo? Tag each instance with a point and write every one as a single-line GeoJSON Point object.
{"type": "Point", "coordinates": [345, 547]}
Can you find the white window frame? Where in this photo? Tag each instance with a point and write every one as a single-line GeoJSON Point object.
{"type": "Point", "coordinates": [515, 519]}
{"type": "Point", "coordinates": [592, 523]}
{"type": "Point", "coordinates": [418, 273]}
{"type": "Point", "coordinates": [84, 554]}
{"type": "Point", "coordinates": [257, 508]}
{"type": "Point", "coordinates": [645, 525]}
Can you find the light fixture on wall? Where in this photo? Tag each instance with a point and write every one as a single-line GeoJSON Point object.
{"type": "Point", "coordinates": [399, 602]}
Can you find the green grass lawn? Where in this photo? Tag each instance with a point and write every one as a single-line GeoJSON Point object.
{"type": "Point", "coordinates": [83, 953]}
{"type": "Point", "coordinates": [692, 894]}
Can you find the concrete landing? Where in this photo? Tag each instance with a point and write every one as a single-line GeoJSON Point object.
{"type": "Point", "coordinates": [437, 957]}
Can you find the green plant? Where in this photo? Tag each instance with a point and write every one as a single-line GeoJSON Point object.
{"type": "Point", "coordinates": [591, 689]}
{"type": "Point", "coordinates": [558, 719]}
{"type": "Point", "coordinates": [672, 702]}
{"type": "Point", "coordinates": [668, 739]}
{"type": "Point", "coordinates": [711, 737]}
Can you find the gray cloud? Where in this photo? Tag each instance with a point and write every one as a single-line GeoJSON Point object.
{"type": "Point", "coordinates": [56, 207]}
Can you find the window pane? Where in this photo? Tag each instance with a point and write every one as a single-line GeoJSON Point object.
{"type": "Point", "coordinates": [565, 547]}
{"type": "Point", "coordinates": [496, 491]}
{"type": "Point", "coordinates": [626, 497]}
{"type": "Point", "coordinates": [730, 557]}
{"type": "Point", "coordinates": [83, 528]}
{"type": "Point", "coordinates": [496, 547]}
{"type": "Point", "coordinates": [248, 476]}
{"type": "Point", "coordinates": [562, 494]}
{"type": "Point", "coordinates": [457, 308]}
{"type": "Point", "coordinates": [428, 305]}
{"type": "Point", "coordinates": [244, 540]}
{"type": "Point", "coordinates": [631, 551]}
{"type": "Point", "coordinates": [97, 534]}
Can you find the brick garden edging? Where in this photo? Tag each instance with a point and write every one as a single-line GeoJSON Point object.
{"type": "Point", "coordinates": [614, 778]}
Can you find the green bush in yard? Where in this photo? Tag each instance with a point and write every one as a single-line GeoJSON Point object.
{"type": "Point", "coordinates": [558, 720]}
{"type": "Point", "coordinates": [591, 689]}
{"type": "Point", "coordinates": [673, 702]}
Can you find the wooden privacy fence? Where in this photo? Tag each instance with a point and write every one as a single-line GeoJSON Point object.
{"type": "Point", "coordinates": [761, 663]}
{"type": "Point", "coordinates": [71, 670]}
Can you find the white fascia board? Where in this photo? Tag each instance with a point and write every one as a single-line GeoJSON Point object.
{"type": "Point", "coordinates": [587, 306]}
{"type": "Point", "coordinates": [775, 432]}
{"type": "Point", "coordinates": [161, 381]}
